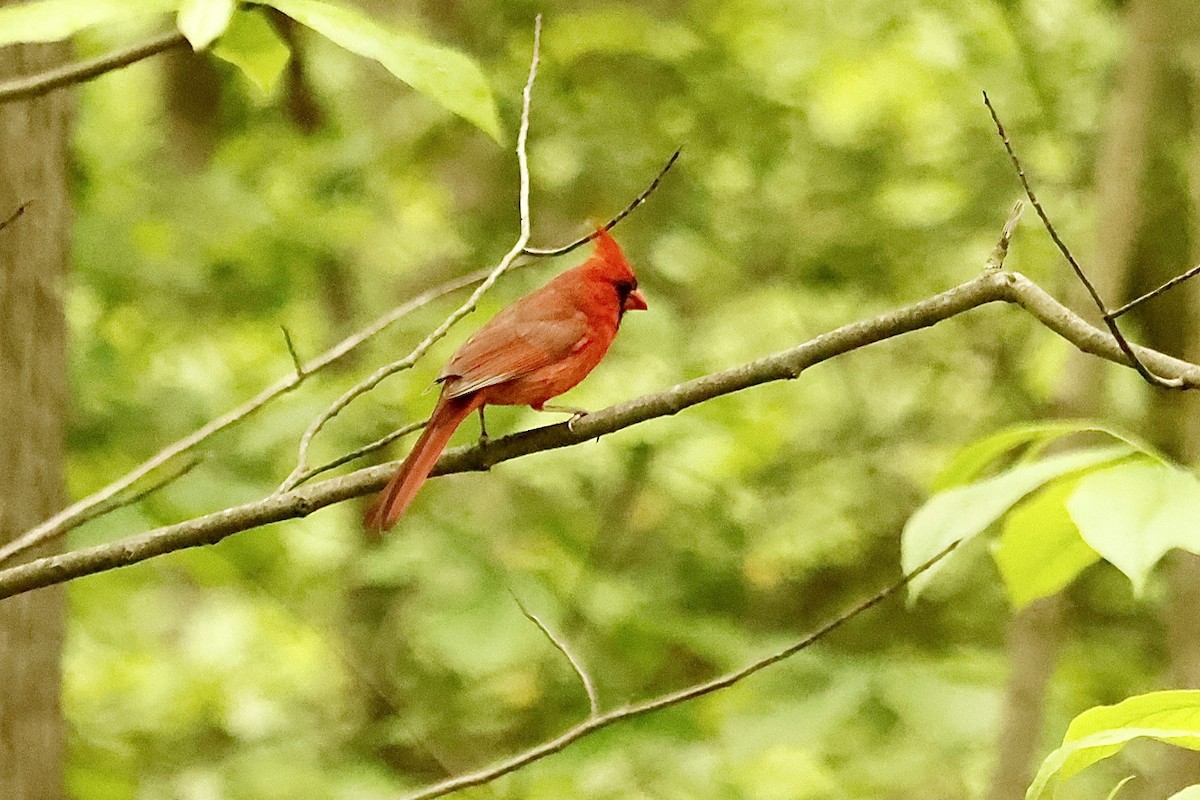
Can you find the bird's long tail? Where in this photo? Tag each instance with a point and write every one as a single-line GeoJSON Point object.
{"type": "Point", "coordinates": [395, 498]}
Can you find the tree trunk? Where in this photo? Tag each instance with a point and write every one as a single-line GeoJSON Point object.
{"type": "Point", "coordinates": [33, 261]}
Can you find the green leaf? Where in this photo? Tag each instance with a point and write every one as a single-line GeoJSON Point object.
{"type": "Point", "coordinates": [1170, 716]}
{"type": "Point", "coordinates": [253, 45]}
{"type": "Point", "coordinates": [1134, 514]}
{"type": "Point", "coordinates": [444, 75]}
{"type": "Point", "coordinates": [54, 20]}
{"type": "Point", "coordinates": [1116, 789]}
{"type": "Point", "coordinates": [969, 462]}
{"type": "Point", "coordinates": [202, 21]}
{"type": "Point", "coordinates": [1040, 550]}
{"type": "Point", "coordinates": [966, 511]}
{"type": "Point", "coordinates": [1190, 793]}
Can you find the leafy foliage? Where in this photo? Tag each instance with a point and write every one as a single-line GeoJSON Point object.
{"type": "Point", "coordinates": [1099, 733]}
{"type": "Point", "coordinates": [1093, 504]}
{"type": "Point", "coordinates": [836, 164]}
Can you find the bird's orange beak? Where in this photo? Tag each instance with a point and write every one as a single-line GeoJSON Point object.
{"type": "Point", "coordinates": [636, 301]}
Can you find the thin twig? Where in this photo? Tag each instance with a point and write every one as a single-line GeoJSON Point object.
{"type": "Point", "coordinates": [77, 513]}
{"type": "Point", "coordinates": [45, 82]}
{"type": "Point", "coordinates": [291, 348]}
{"type": "Point", "coordinates": [114, 502]}
{"type": "Point", "coordinates": [378, 444]}
{"type": "Point", "coordinates": [140, 495]}
{"type": "Point", "coordinates": [377, 377]}
{"type": "Point", "coordinates": [15, 215]}
{"type": "Point", "coordinates": [1132, 304]}
{"type": "Point", "coordinates": [637, 201]}
{"type": "Point", "coordinates": [81, 511]}
{"type": "Point", "coordinates": [996, 260]}
{"type": "Point", "coordinates": [1110, 322]}
{"type": "Point", "coordinates": [988, 287]}
{"type": "Point", "coordinates": [597, 723]}
{"type": "Point", "coordinates": [367, 449]}
{"type": "Point", "coordinates": [561, 646]}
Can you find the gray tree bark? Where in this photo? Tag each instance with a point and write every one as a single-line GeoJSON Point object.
{"type": "Point", "coordinates": [33, 262]}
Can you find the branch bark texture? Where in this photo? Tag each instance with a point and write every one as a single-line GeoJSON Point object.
{"type": "Point", "coordinates": [990, 287]}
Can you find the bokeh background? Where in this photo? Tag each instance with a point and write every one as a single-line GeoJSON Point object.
{"type": "Point", "coordinates": [837, 162]}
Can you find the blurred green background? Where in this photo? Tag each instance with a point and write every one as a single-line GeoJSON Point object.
{"type": "Point", "coordinates": [837, 162]}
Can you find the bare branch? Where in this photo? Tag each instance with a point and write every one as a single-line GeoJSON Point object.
{"type": "Point", "coordinates": [82, 510]}
{"type": "Point", "coordinates": [79, 512]}
{"type": "Point", "coordinates": [612, 223]}
{"type": "Point", "coordinates": [291, 348]}
{"type": "Point", "coordinates": [378, 444]}
{"type": "Point", "coordinates": [989, 287]}
{"type": "Point", "coordinates": [596, 723]}
{"type": "Point", "coordinates": [1109, 320]}
{"type": "Point", "coordinates": [561, 646]}
{"type": "Point", "coordinates": [1171, 284]}
{"type": "Point", "coordinates": [44, 82]}
{"type": "Point", "coordinates": [377, 377]}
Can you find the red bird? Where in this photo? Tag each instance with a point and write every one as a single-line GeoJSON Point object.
{"type": "Point", "coordinates": [536, 349]}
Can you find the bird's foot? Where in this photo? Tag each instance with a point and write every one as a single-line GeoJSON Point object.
{"type": "Point", "coordinates": [576, 413]}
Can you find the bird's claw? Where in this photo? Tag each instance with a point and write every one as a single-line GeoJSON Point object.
{"type": "Point", "coordinates": [578, 415]}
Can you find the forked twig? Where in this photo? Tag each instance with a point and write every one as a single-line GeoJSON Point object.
{"type": "Point", "coordinates": [1110, 320]}
{"type": "Point", "coordinates": [989, 286]}
{"type": "Point", "coordinates": [598, 722]}
{"type": "Point", "coordinates": [377, 377]}
{"type": "Point", "coordinates": [1132, 304]}
{"type": "Point", "coordinates": [561, 646]}
{"type": "Point", "coordinates": [612, 223]}
{"type": "Point", "coordinates": [366, 449]}
{"type": "Point", "coordinates": [85, 509]}
{"type": "Point", "coordinates": [81, 511]}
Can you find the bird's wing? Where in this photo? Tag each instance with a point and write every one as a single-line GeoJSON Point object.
{"type": "Point", "coordinates": [532, 334]}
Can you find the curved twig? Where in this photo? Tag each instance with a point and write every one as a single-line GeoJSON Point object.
{"type": "Point", "coordinates": [506, 263]}
{"type": "Point", "coordinates": [990, 287]}
{"type": "Point", "coordinates": [1110, 319]}
{"type": "Point", "coordinates": [44, 82]}
{"type": "Point", "coordinates": [596, 723]}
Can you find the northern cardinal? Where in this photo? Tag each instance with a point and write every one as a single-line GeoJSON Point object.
{"type": "Point", "coordinates": [536, 349]}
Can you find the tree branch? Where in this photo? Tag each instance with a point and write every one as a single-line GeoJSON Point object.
{"type": "Point", "coordinates": [1110, 319]}
{"type": "Point", "coordinates": [378, 376]}
{"type": "Point", "coordinates": [589, 686]}
{"type": "Point", "coordinates": [596, 723]}
{"type": "Point", "coordinates": [84, 510]}
{"type": "Point", "coordinates": [990, 287]}
{"type": "Point", "coordinates": [97, 503]}
{"type": "Point", "coordinates": [44, 82]}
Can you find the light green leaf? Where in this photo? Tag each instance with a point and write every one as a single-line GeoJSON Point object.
{"type": "Point", "coordinates": [202, 21]}
{"type": "Point", "coordinates": [444, 75]}
{"type": "Point", "coordinates": [1190, 793]}
{"type": "Point", "coordinates": [252, 44]}
{"type": "Point", "coordinates": [1040, 550]}
{"type": "Point", "coordinates": [1170, 716]}
{"type": "Point", "coordinates": [621, 29]}
{"type": "Point", "coordinates": [969, 462]}
{"type": "Point", "coordinates": [1117, 789]}
{"type": "Point", "coordinates": [1134, 514]}
{"type": "Point", "coordinates": [966, 511]}
{"type": "Point", "coordinates": [54, 20]}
